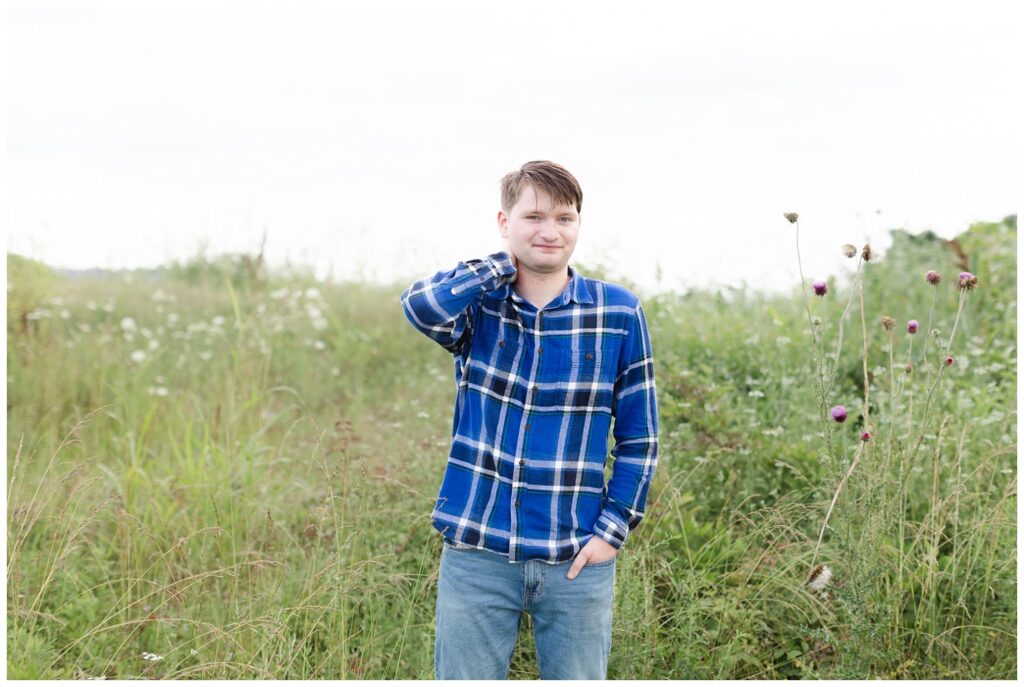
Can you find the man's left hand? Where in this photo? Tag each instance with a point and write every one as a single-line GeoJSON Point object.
{"type": "Point", "coordinates": [596, 550]}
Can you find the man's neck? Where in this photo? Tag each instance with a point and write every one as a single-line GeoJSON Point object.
{"type": "Point", "coordinates": [540, 289]}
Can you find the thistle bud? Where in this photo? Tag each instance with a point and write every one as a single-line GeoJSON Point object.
{"type": "Point", "coordinates": [888, 323]}
{"type": "Point", "coordinates": [849, 250]}
{"type": "Point", "coordinates": [866, 253]}
{"type": "Point", "coordinates": [933, 277]}
{"type": "Point", "coordinates": [791, 216]}
{"type": "Point", "coordinates": [912, 326]}
{"type": "Point", "coordinates": [966, 281]}
{"type": "Point", "coordinates": [820, 288]}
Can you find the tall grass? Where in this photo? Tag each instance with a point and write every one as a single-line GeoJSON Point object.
{"type": "Point", "coordinates": [249, 497]}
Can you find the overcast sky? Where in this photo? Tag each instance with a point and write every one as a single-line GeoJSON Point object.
{"type": "Point", "coordinates": [369, 139]}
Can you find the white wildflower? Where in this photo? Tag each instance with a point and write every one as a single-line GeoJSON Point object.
{"type": "Point", "coordinates": [205, 355]}
{"type": "Point", "coordinates": [157, 391]}
{"type": "Point", "coordinates": [312, 293]}
{"type": "Point", "coordinates": [153, 344]}
{"type": "Point", "coordinates": [138, 356]}
{"type": "Point", "coordinates": [128, 324]}
{"type": "Point", "coordinates": [335, 371]}
{"type": "Point", "coordinates": [217, 321]}
{"type": "Point", "coordinates": [146, 656]}
{"type": "Point", "coordinates": [172, 317]}
{"type": "Point", "coordinates": [319, 345]}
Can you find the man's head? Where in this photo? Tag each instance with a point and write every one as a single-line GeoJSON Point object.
{"type": "Point", "coordinates": [540, 206]}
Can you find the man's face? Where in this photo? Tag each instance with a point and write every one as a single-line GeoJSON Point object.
{"type": "Point", "coordinates": [541, 235]}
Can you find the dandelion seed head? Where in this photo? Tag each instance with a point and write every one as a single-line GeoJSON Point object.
{"type": "Point", "coordinates": [819, 578]}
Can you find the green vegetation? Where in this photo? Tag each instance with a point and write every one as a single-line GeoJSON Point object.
{"type": "Point", "coordinates": [232, 471]}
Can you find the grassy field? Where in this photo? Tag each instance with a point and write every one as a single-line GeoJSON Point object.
{"type": "Point", "coordinates": [215, 472]}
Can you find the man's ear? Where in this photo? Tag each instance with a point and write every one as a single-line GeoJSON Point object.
{"type": "Point", "coordinates": [502, 224]}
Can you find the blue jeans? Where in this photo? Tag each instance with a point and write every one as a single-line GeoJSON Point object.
{"type": "Point", "coordinates": [480, 601]}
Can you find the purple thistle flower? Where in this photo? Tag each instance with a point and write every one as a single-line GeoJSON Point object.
{"type": "Point", "coordinates": [933, 277]}
{"type": "Point", "coordinates": [949, 360]}
{"type": "Point", "coordinates": [864, 436]}
{"type": "Point", "coordinates": [966, 280]}
{"type": "Point", "coordinates": [839, 413]}
{"type": "Point", "coordinates": [820, 288]}
{"type": "Point", "coordinates": [912, 326]}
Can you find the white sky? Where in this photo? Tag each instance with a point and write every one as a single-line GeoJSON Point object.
{"type": "Point", "coordinates": [369, 139]}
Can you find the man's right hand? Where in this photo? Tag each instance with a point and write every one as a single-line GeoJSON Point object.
{"type": "Point", "coordinates": [515, 262]}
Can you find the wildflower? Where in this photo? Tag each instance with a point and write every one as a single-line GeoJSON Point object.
{"type": "Point", "coordinates": [866, 253]}
{"type": "Point", "coordinates": [820, 288]}
{"type": "Point", "coordinates": [312, 293]}
{"type": "Point", "coordinates": [193, 652]}
{"type": "Point", "coordinates": [933, 277]}
{"type": "Point", "coordinates": [217, 321]}
{"type": "Point", "coordinates": [819, 578]}
{"type": "Point", "coordinates": [839, 413]}
{"type": "Point", "coordinates": [888, 323]}
{"type": "Point", "coordinates": [865, 436]}
{"type": "Point", "coordinates": [816, 321]}
{"type": "Point", "coordinates": [146, 656]}
{"type": "Point", "coordinates": [949, 360]}
{"type": "Point", "coordinates": [205, 355]}
{"type": "Point", "coordinates": [912, 326]}
{"type": "Point", "coordinates": [909, 368]}
{"type": "Point", "coordinates": [128, 324]}
{"type": "Point", "coordinates": [319, 345]}
{"type": "Point", "coordinates": [967, 281]}
{"type": "Point", "coordinates": [791, 216]}
{"type": "Point", "coordinates": [138, 356]}
{"type": "Point", "coordinates": [849, 250]}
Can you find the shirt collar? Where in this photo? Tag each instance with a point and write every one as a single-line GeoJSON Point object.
{"type": "Point", "coordinates": [576, 290]}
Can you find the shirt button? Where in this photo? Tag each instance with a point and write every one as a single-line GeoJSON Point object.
{"type": "Point", "coordinates": [527, 425]}
{"type": "Point", "coordinates": [540, 349]}
{"type": "Point", "coordinates": [590, 356]}
{"type": "Point", "coordinates": [501, 344]}
{"type": "Point", "coordinates": [517, 504]}
{"type": "Point", "coordinates": [533, 388]}
{"type": "Point", "coordinates": [522, 462]}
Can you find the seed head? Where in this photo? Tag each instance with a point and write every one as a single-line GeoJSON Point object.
{"type": "Point", "coordinates": [819, 578]}
{"type": "Point", "coordinates": [849, 250]}
{"type": "Point", "coordinates": [912, 326]}
{"type": "Point", "coordinates": [838, 413]}
{"type": "Point", "coordinates": [949, 360]}
{"type": "Point", "coordinates": [820, 288]}
{"type": "Point", "coordinates": [865, 436]}
{"type": "Point", "coordinates": [816, 322]}
{"type": "Point", "coordinates": [791, 216]}
{"type": "Point", "coordinates": [866, 253]}
{"type": "Point", "coordinates": [966, 281]}
{"type": "Point", "coordinates": [933, 277]}
{"type": "Point", "coordinates": [888, 323]}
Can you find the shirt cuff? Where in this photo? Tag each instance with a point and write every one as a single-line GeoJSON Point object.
{"type": "Point", "coordinates": [491, 273]}
{"type": "Point", "coordinates": [611, 528]}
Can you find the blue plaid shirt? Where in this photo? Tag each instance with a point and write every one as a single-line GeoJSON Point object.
{"type": "Point", "coordinates": [536, 391]}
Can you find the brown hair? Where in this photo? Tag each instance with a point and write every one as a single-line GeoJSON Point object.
{"type": "Point", "coordinates": [548, 176]}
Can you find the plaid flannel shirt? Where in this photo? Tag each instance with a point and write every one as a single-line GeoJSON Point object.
{"type": "Point", "coordinates": [536, 391]}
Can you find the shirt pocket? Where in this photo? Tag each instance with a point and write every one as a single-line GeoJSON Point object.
{"type": "Point", "coordinates": [580, 373]}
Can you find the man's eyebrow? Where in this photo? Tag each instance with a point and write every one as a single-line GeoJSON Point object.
{"type": "Point", "coordinates": [569, 211]}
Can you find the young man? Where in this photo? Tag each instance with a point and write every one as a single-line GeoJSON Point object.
{"type": "Point", "coordinates": [545, 358]}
